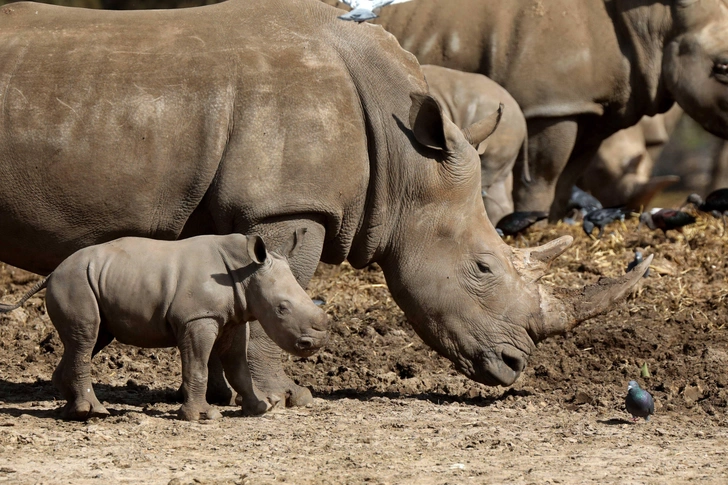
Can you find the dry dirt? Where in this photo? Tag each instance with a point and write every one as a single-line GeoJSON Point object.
{"type": "Point", "coordinates": [387, 409]}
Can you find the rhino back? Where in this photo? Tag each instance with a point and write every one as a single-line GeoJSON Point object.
{"type": "Point", "coordinates": [144, 285]}
{"type": "Point", "coordinates": [116, 123]}
{"type": "Point", "coordinates": [570, 48]}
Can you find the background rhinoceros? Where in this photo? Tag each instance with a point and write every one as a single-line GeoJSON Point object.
{"type": "Point", "coordinates": [580, 69]}
{"type": "Point", "coordinates": [262, 117]}
{"type": "Point", "coordinates": [466, 98]}
{"type": "Point", "coordinates": [621, 171]}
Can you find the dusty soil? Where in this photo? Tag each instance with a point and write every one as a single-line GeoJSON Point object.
{"type": "Point", "coordinates": [389, 410]}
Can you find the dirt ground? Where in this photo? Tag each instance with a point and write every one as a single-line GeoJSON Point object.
{"type": "Point", "coordinates": [387, 409]}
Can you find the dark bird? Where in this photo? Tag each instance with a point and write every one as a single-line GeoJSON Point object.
{"type": "Point", "coordinates": [716, 203]}
{"type": "Point", "coordinates": [601, 217]}
{"type": "Point", "coordinates": [582, 201]}
{"type": "Point", "coordinates": [666, 219]}
{"type": "Point", "coordinates": [638, 402]}
{"type": "Point", "coordinates": [637, 260]}
{"type": "Point", "coordinates": [515, 222]}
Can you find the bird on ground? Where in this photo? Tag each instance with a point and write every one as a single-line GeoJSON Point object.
{"type": "Point", "coordinates": [639, 403]}
{"type": "Point", "coordinates": [601, 217]}
{"type": "Point", "coordinates": [666, 219]}
{"type": "Point", "coordinates": [582, 201]}
{"type": "Point", "coordinates": [716, 203]}
{"type": "Point", "coordinates": [516, 222]}
{"type": "Point", "coordinates": [637, 260]}
{"type": "Point", "coordinates": [363, 10]}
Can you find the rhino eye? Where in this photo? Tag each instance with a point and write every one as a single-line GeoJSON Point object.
{"type": "Point", "coordinates": [484, 268]}
{"type": "Point", "coordinates": [720, 70]}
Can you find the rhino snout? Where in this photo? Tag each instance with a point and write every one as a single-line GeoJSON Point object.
{"type": "Point", "coordinates": [502, 367]}
{"type": "Point", "coordinates": [308, 344]}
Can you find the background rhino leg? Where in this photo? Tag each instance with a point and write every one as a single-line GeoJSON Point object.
{"type": "Point", "coordinates": [218, 391]}
{"type": "Point", "coordinates": [550, 143]}
{"type": "Point", "coordinates": [264, 356]}
{"type": "Point", "coordinates": [233, 349]}
{"type": "Point", "coordinates": [575, 168]}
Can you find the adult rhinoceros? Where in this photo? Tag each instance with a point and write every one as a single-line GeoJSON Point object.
{"type": "Point", "coordinates": [265, 116]}
{"type": "Point", "coordinates": [580, 69]}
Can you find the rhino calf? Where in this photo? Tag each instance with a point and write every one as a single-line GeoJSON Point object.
{"type": "Point", "coordinates": [187, 293]}
{"type": "Point", "coordinates": [468, 98]}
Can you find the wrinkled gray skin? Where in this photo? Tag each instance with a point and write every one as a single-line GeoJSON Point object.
{"type": "Point", "coordinates": [621, 172]}
{"type": "Point", "coordinates": [193, 294]}
{"type": "Point", "coordinates": [580, 69]}
{"type": "Point", "coordinates": [263, 117]}
{"type": "Point", "coordinates": [467, 98]}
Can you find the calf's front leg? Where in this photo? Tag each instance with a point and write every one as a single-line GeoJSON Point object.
{"type": "Point", "coordinates": [195, 344]}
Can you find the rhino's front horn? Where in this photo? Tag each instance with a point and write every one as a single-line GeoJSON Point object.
{"type": "Point", "coordinates": [533, 262]}
{"type": "Point", "coordinates": [479, 131]}
{"type": "Point", "coordinates": [563, 309]}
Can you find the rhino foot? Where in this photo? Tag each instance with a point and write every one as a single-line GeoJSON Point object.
{"type": "Point", "coordinates": [254, 405]}
{"type": "Point", "coordinates": [193, 412]}
{"type": "Point", "coordinates": [82, 409]}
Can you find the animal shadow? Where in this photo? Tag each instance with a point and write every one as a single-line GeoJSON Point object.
{"type": "Point", "coordinates": [614, 421]}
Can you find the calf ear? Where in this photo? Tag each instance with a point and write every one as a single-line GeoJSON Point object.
{"type": "Point", "coordinates": [256, 249]}
{"type": "Point", "coordinates": [429, 125]}
{"type": "Point", "coordinates": [479, 131]}
{"type": "Point", "coordinates": [294, 243]}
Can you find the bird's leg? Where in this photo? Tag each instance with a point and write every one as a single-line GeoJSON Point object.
{"type": "Point", "coordinates": [723, 217]}
{"type": "Point", "coordinates": [601, 232]}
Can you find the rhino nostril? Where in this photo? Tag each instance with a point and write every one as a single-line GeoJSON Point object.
{"type": "Point", "coordinates": [515, 361]}
{"type": "Point", "coordinates": [304, 343]}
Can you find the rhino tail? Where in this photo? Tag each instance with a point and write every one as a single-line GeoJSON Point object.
{"type": "Point", "coordinates": [523, 155]}
{"type": "Point", "coordinates": [7, 307]}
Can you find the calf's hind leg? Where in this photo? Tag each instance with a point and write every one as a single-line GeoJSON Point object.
{"type": "Point", "coordinates": [74, 312]}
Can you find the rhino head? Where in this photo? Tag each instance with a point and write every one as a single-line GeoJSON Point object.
{"type": "Point", "coordinates": [470, 296]}
{"type": "Point", "coordinates": [695, 62]}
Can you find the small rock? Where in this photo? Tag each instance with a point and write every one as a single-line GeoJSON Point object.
{"type": "Point", "coordinates": [582, 397]}
{"type": "Point", "coordinates": [692, 394]}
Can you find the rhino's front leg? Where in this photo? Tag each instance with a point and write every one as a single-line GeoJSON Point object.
{"type": "Point", "coordinates": [550, 143]}
{"type": "Point", "coordinates": [195, 344]}
{"type": "Point", "coordinates": [264, 357]}
{"type": "Point", "coordinates": [575, 168]}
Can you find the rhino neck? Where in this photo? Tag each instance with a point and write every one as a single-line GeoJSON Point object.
{"type": "Point", "coordinates": [646, 27]}
{"type": "Point", "coordinates": [384, 76]}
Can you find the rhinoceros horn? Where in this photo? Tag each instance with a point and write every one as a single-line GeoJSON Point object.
{"type": "Point", "coordinates": [562, 309]}
{"type": "Point", "coordinates": [479, 131]}
{"type": "Point", "coordinates": [533, 262]}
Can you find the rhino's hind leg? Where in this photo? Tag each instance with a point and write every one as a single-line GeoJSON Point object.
{"type": "Point", "coordinates": [195, 346]}
{"type": "Point", "coordinates": [75, 314]}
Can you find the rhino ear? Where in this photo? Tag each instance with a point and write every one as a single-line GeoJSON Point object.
{"type": "Point", "coordinates": [429, 125]}
{"type": "Point", "coordinates": [256, 249]}
{"type": "Point", "coordinates": [481, 130]}
{"type": "Point", "coordinates": [294, 243]}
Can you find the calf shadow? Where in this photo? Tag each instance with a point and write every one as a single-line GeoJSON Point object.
{"type": "Point", "coordinates": [43, 390]}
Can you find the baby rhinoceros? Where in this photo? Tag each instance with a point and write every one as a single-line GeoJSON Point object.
{"type": "Point", "coordinates": [187, 293]}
